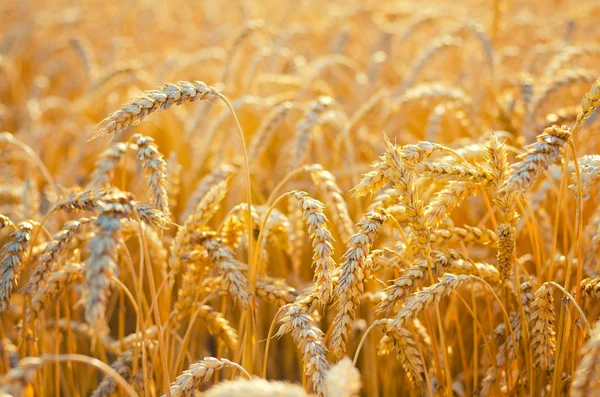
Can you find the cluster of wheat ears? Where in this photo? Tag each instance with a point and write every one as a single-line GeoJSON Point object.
{"type": "Point", "coordinates": [359, 198]}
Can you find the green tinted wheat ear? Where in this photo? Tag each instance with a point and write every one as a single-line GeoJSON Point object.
{"type": "Point", "coordinates": [137, 109]}
{"type": "Point", "coordinates": [309, 340]}
{"type": "Point", "coordinates": [541, 325]}
{"type": "Point", "coordinates": [545, 152]}
{"type": "Point", "coordinates": [155, 168]}
{"type": "Point", "coordinates": [322, 242]}
{"type": "Point", "coordinates": [12, 255]}
{"type": "Point", "coordinates": [352, 278]}
{"type": "Point", "coordinates": [54, 249]}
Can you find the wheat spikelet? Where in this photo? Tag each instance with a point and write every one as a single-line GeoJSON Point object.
{"type": "Point", "coordinates": [453, 172]}
{"type": "Point", "coordinates": [589, 171]}
{"type": "Point", "coordinates": [137, 109]}
{"type": "Point", "coordinates": [590, 287]}
{"type": "Point", "coordinates": [538, 157]}
{"type": "Point", "coordinates": [223, 172]}
{"type": "Point", "coordinates": [52, 252]}
{"type": "Point", "coordinates": [155, 168]}
{"type": "Point", "coordinates": [86, 200]}
{"type": "Point", "coordinates": [309, 339]}
{"type": "Point", "coordinates": [228, 267]}
{"type": "Point", "coordinates": [109, 160]}
{"type": "Point", "coordinates": [466, 234]}
{"type": "Point", "coordinates": [322, 242]}
{"type": "Point", "coordinates": [352, 278]}
{"type": "Point", "coordinates": [264, 134]}
{"type": "Point", "coordinates": [506, 250]}
{"type": "Point", "coordinates": [406, 283]}
{"type": "Point", "coordinates": [305, 127]}
{"type": "Point", "coordinates": [203, 212]}
{"type": "Point", "coordinates": [123, 365]}
{"type": "Point", "coordinates": [420, 301]}
{"type": "Point", "coordinates": [541, 324]}
{"type": "Point", "coordinates": [12, 255]}
{"type": "Point", "coordinates": [197, 374]}
{"type": "Point", "coordinates": [100, 265]}
{"type": "Point", "coordinates": [448, 199]}
{"type": "Point", "coordinates": [5, 221]}
{"type": "Point", "coordinates": [334, 199]}
{"type": "Point", "coordinates": [589, 103]}
{"type": "Point", "coordinates": [400, 340]}
{"type": "Point", "coordinates": [343, 380]}
{"type": "Point", "coordinates": [55, 285]}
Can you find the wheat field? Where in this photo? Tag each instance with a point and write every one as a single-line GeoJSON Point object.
{"type": "Point", "coordinates": [299, 198]}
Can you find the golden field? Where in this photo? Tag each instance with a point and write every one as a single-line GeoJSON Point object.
{"type": "Point", "coordinates": [294, 198]}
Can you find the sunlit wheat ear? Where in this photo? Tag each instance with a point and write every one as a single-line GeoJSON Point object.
{"type": "Point", "coordinates": [123, 365]}
{"type": "Point", "coordinates": [155, 168]}
{"type": "Point", "coordinates": [590, 287]}
{"type": "Point", "coordinates": [105, 166]}
{"type": "Point", "coordinates": [100, 265]}
{"type": "Point", "coordinates": [352, 278]}
{"type": "Point", "coordinates": [587, 376]}
{"type": "Point", "coordinates": [589, 169]}
{"type": "Point", "coordinates": [5, 222]}
{"type": "Point", "coordinates": [537, 158]}
{"type": "Point", "coordinates": [54, 249]}
{"type": "Point", "coordinates": [255, 388]}
{"type": "Point", "coordinates": [56, 284]}
{"type": "Point", "coordinates": [304, 129]}
{"type": "Point", "coordinates": [408, 281]}
{"type": "Point", "coordinates": [223, 172]}
{"type": "Point", "coordinates": [85, 200]}
{"type": "Point", "coordinates": [266, 130]}
{"type": "Point", "coordinates": [322, 242]}
{"type": "Point", "coordinates": [541, 325]}
{"type": "Point", "coordinates": [188, 292]}
{"type": "Point", "coordinates": [137, 109]}
{"type": "Point", "coordinates": [506, 250]}
{"type": "Point", "coordinates": [343, 379]}
{"type": "Point", "coordinates": [227, 266]}
{"type": "Point", "coordinates": [197, 374]}
{"type": "Point", "coordinates": [589, 103]}
{"type": "Point", "coordinates": [196, 221]}
{"type": "Point", "coordinates": [12, 256]}
{"type": "Point", "coordinates": [466, 234]}
{"type": "Point", "coordinates": [453, 172]}
{"type": "Point", "coordinates": [402, 342]}
{"type": "Point", "coordinates": [417, 303]}
{"type": "Point", "coordinates": [309, 340]}
{"type": "Point", "coordinates": [334, 200]}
